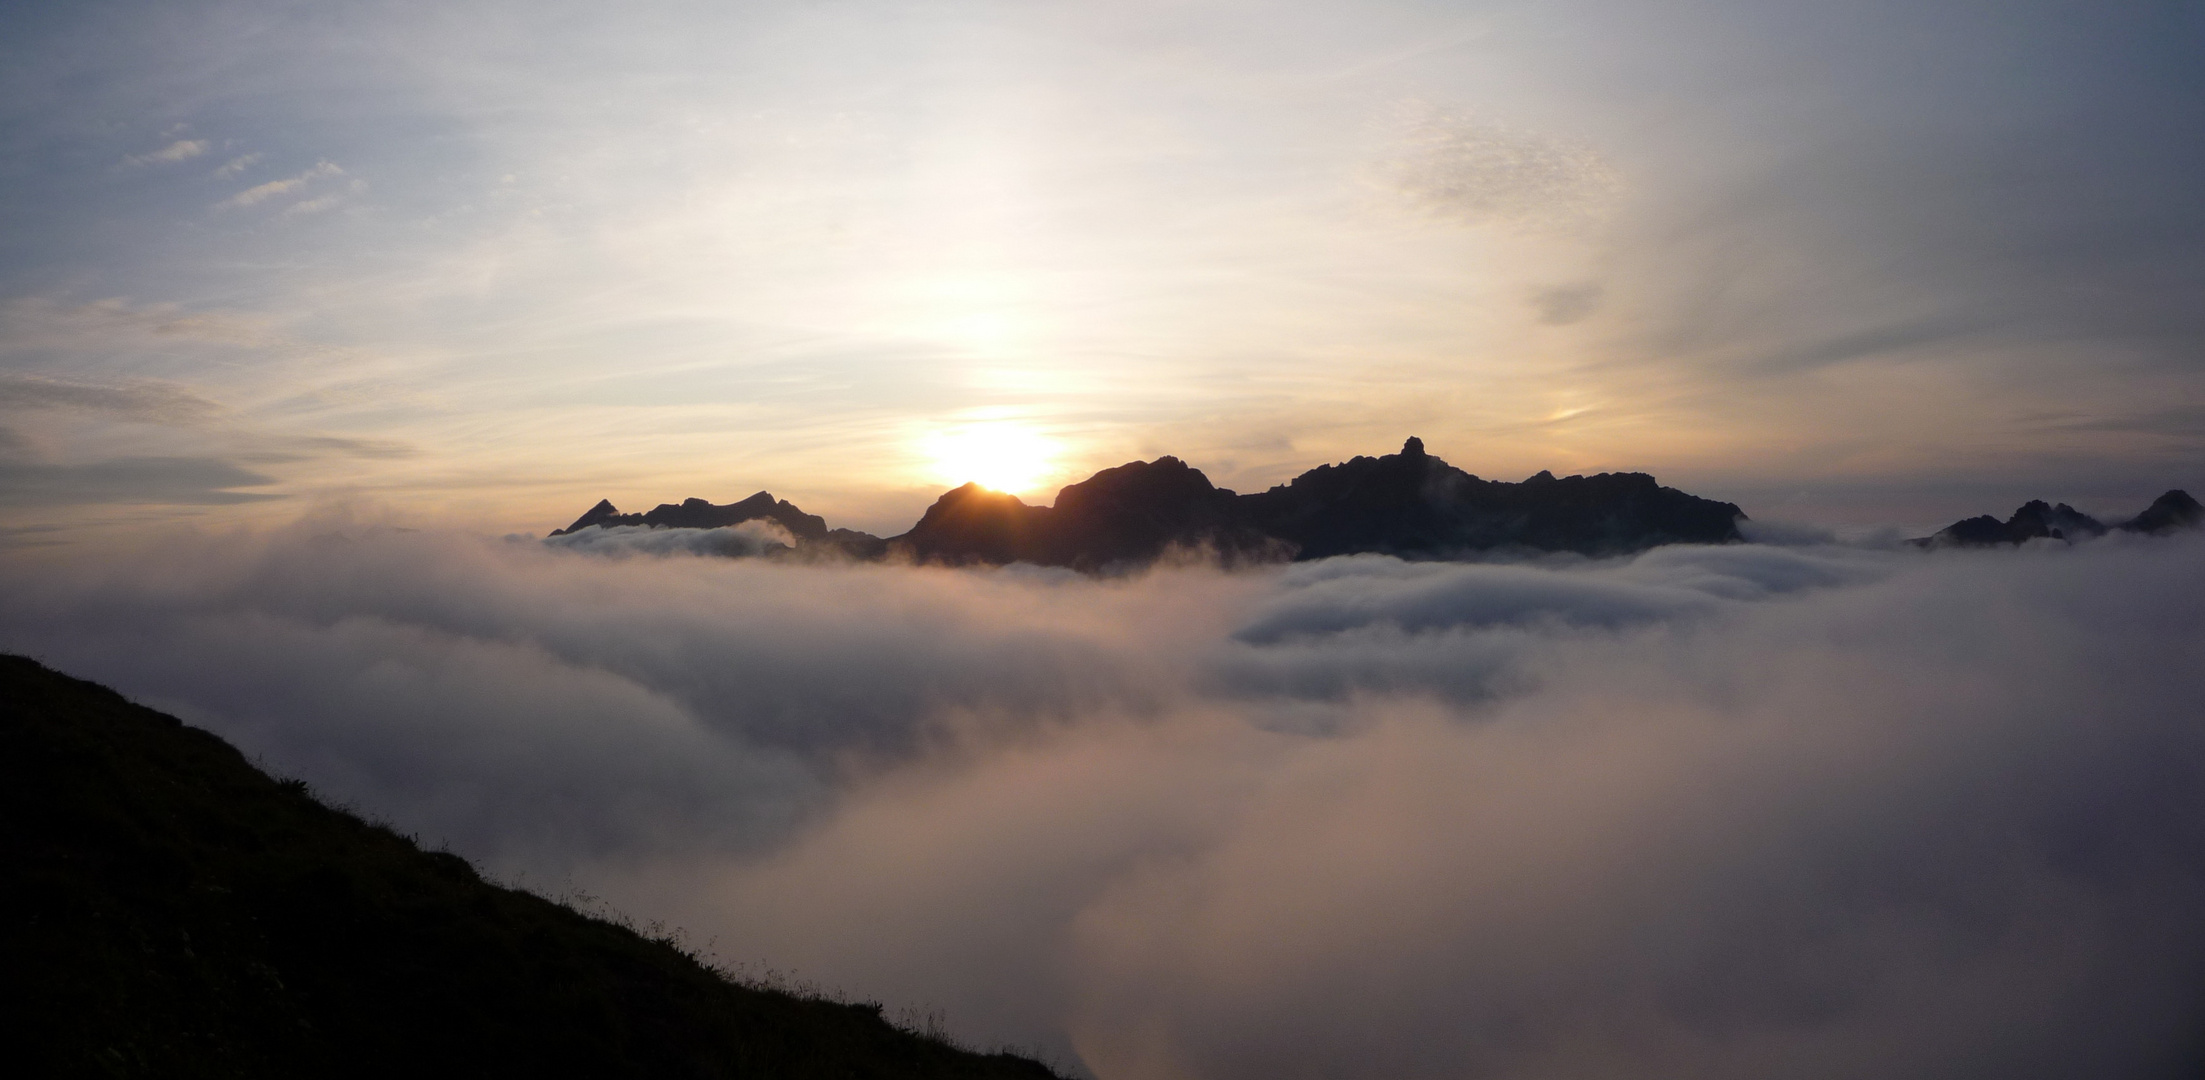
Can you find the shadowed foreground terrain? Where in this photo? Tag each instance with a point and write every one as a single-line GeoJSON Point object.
{"type": "Point", "coordinates": [172, 911]}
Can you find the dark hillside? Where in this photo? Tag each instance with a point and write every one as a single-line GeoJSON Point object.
{"type": "Point", "coordinates": [171, 911]}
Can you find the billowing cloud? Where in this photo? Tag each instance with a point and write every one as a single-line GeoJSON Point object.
{"type": "Point", "coordinates": [1707, 812]}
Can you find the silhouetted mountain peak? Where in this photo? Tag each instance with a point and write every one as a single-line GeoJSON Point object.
{"type": "Point", "coordinates": [970, 497]}
{"type": "Point", "coordinates": [971, 524]}
{"type": "Point", "coordinates": [1166, 479]}
{"type": "Point", "coordinates": [2173, 510]}
{"type": "Point", "coordinates": [2036, 520]}
{"type": "Point", "coordinates": [1410, 503]}
{"type": "Point", "coordinates": [596, 515]}
{"type": "Point", "coordinates": [696, 513]}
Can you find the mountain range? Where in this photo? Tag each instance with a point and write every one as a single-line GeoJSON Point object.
{"type": "Point", "coordinates": [1409, 504]}
{"type": "Point", "coordinates": [2036, 520]}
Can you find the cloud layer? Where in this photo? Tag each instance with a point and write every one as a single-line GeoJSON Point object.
{"type": "Point", "coordinates": [1708, 812]}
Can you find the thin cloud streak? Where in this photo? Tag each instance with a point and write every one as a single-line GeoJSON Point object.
{"type": "Point", "coordinates": [180, 150]}
{"type": "Point", "coordinates": [239, 164]}
{"type": "Point", "coordinates": [274, 188]}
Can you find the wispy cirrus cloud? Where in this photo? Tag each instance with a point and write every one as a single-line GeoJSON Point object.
{"type": "Point", "coordinates": [316, 205]}
{"type": "Point", "coordinates": [277, 188]}
{"type": "Point", "coordinates": [1455, 164]}
{"type": "Point", "coordinates": [180, 150]}
{"type": "Point", "coordinates": [239, 164]}
{"type": "Point", "coordinates": [165, 481]}
{"type": "Point", "coordinates": [142, 399]}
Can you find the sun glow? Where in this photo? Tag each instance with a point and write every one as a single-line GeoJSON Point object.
{"type": "Point", "coordinates": [994, 454]}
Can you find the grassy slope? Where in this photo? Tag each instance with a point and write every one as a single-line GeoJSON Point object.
{"type": "Point", "coordinates": [169, 910]}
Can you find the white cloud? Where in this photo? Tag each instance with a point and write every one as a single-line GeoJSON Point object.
{"type": "Point", "coordinates": [239, 164]}
{"type": "Point", "coordinates": [1710, 812]}
{"type": "Point", "coordinates": [274, 188]}
{"type": "Point", "coordinates": [1453, 164]}
{"type": "Point", "coordinates": [180, 150]}
{"type": "Point", "coordinates": [312, 206]}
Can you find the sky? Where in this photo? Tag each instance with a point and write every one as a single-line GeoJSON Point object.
{"type": "Point", "coordinates": [314, 318]}
{"type": "Point", "coordinates": [478, 265]}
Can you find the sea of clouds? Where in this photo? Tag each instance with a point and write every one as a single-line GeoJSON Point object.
{"type": "Point", "coordinates": [1708, 812]}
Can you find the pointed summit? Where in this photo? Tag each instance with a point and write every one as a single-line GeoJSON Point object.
{"type": "Point", "coordinates": [2173, 510]}
{"type": "Point", "coordinates": [596, 515]}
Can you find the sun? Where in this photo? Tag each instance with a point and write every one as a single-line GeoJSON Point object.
{"type": "Point", "coordinates": [1002, 455]}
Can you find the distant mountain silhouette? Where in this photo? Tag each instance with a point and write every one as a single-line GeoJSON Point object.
{"type": "Point", "coordinates": [699, 514]}
{"type": "Point", "coordinates": [1409, 504]}
{"type": "Point", "coordinates": [2167, 513]}
{"type": "Point", "coordinates": [2035, 520]}
{"type": "Point", "coordinates": [1129, 514]}
{"type": "Point", "coordinates": [1414, 504]}
{"type": "Point", "coordinates": [168, 910]}
{"type": "Point", "coordinates": [809, 530]}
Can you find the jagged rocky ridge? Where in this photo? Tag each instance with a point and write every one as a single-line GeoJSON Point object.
{"type": "Point", "coordinates": [1409, 504]}
{"type": "Point", "coordinates": [810, 531]}
{"type": "Point", "coordinates": [2035, 520]}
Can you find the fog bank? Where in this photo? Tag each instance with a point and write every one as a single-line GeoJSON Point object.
{"type": "Point", "coordinates": [1706, 812]}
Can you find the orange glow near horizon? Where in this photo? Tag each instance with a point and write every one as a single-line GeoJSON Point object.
{"type": "Point", "coordinates": [1003, 455]}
